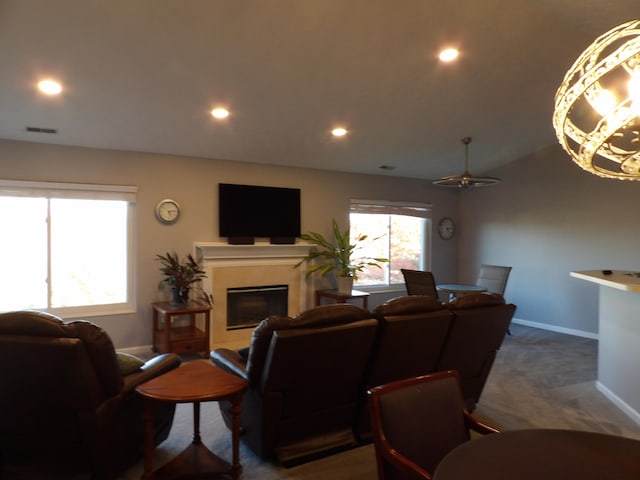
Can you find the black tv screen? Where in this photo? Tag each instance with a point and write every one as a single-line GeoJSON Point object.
{"type": "Point", "coordinates": [249, 211]}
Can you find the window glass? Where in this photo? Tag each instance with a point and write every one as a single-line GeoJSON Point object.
{"type": "Point", "coordinates": [23, 253]}
{"type": "Point", "coordinates": [88, 252]}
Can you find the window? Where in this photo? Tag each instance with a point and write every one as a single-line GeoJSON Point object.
{"type": "Point", "coordinates": [66, 248]}
{"type": "Point", "coordinates": [395, 230]}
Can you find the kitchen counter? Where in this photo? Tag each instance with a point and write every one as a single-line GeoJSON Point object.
{"type": "Point", "coordinates": [618, 337]}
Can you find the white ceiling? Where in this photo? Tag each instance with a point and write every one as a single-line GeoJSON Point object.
{"type": "Point", "coordinates": [142, 75]}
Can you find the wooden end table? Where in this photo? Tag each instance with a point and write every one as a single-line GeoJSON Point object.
{"type": "Point", "coordinates": [340, 297]}
{"type": "Point", "coordinates": [183, 339]}
{"type": "Point", "coordinates": [196, 381]}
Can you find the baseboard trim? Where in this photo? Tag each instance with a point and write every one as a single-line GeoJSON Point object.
{"type": "Point", "coordinates": [618, 402]}
{"type": "Point", "coordinates": [555, 328]}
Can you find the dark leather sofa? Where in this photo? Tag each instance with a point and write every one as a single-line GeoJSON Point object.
{"type": "Point", "coordinates": [65, 408]}
{"type": "Point", "coordinates": [308, 375]}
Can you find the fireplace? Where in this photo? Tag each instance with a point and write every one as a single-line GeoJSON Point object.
{"type": "Point", "coordinates": [248, 306]}
{"type": "Point", "coordinates": [261, 265]}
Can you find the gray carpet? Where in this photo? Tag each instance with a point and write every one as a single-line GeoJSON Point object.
{"type": "Point", "coordinates": [540, 379]}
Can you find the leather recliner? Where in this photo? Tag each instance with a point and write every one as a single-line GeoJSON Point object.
{"type": "Point", "coordinates": [65, 407]}
{"type": "Point", "coordinates": [411, 334]}
{"type": "Point", "coordinates": [304, 376]}
{"type": "Point", "coordinates": [479, 326]}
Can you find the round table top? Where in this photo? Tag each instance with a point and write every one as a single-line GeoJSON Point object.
{"type": "Point", "coordinates": [543, 454]}
{"type": "Point", "coordinates": [194, 381]}
{"type": "Point", "coordinates": [460, 288]}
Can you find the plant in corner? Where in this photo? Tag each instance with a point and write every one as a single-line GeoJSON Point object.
{"type": "Point", "coordinates": [181, 276]}
{"type": "Point", "coordinates": [338, 255]}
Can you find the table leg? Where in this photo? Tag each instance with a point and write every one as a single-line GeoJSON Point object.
{"type": "Point", "coordinates": [196, 423]}
{"type": "Point", "coordinates": [147, 417]}
{"type": "Point", "coordinates": [236, 410]}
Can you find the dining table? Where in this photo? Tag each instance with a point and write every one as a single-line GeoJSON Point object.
{"type": "Point", "coordinates": [550, 454]}
{"type": "Point", "coordinates": [455, 289]}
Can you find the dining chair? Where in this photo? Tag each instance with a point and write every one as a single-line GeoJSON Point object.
{"type": "Point", "coordinates": [493, 278]}
{"type": "Point", "coordinates": [420, 282]}
{"type": "Point", "coordinates": [416, 422]}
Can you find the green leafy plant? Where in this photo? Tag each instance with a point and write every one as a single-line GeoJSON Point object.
{"type": "Point", "coordinates": [181, 276]}
{"type": "Point", "coordinates": [337, 255]}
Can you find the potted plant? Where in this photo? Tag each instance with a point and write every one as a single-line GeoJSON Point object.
{"type": "Point", "coordinates": [181, 276]}
{"type": "Point", "coordinates": [338, 256]}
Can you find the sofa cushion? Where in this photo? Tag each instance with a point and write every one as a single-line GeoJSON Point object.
{"type": "Point", "coordinates": [472, 300]}
{"type": "Point", "coordinates": [408, 304]}
{"type": "Point", "coordinates": [128, 363]}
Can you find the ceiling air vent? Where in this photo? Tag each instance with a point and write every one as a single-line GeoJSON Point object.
{"type": "Point", "coordinates": [41, 130]}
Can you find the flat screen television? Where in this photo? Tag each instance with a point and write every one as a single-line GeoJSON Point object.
{"type": "Point", "coordinates": [250, 211]}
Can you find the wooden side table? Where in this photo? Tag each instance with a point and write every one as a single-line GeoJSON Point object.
{"type": "Point", "coordinates": [339, 297]}
{"type": "Point", "coordinates": [195, 381]}
{"type": "Point", "coordinates": [181, 339]}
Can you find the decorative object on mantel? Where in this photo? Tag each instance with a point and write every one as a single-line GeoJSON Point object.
{"type": "Point", "coordinates": [338, 257]}
{"type": "Point", "coordinates": [465, 179]}
{"type": "Point", "coordinates": [181, 277]}
{"type": "Point", "coordinates": [597, 106]}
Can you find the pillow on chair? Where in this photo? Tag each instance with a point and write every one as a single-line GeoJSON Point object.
{"type": "Point", "coordinates": [128, 363]}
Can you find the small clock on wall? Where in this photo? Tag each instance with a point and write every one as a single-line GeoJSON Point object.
{"type": "Point", "coordinates": [446, 228]}
{"type": "Point", "coordinates": [167, 211]}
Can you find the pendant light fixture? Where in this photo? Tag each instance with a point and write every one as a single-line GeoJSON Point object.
{"type": "Point", "coordinates": [466, 180]}
{"type": "Point", "coordinates": [597, 106]}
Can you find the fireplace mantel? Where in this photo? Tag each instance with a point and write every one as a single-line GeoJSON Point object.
{"type": "Point", "coordinates": [211, 251]}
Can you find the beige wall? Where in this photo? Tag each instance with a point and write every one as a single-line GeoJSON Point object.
{"type": "Point", "coordinates": [547, 218]}
{"type": "Point", "coordinates": [193, 183]}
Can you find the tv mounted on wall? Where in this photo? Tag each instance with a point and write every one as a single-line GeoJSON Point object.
{"type": "Point", "coordinates": [250, 211]}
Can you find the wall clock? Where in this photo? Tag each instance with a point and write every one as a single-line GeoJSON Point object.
{"type": "Point", "coordinates": [167, 211]}
{"type": "Point", "coordinates": [446, 228]}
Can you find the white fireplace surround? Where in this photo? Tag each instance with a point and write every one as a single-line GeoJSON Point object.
{"type": "Point", "coordinates": [260, 264]}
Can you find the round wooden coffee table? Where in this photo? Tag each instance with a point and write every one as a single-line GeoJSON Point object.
{"type": "Point", "coordinates": [195, 381]}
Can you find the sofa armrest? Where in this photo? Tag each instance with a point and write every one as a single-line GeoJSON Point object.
{"type": "Point", "coordinates": [230, 361]}
{"type": "Point", "coordinates": [156, 366]}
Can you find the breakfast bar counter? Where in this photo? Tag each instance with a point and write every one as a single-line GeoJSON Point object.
{"type": "Point", "coordinates": [618, 336]}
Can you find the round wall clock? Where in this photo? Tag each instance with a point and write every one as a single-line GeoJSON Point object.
{"type": "Point", "coordinates": [167, 211]}
{"type": "Point", "coordinates": [446, 228]}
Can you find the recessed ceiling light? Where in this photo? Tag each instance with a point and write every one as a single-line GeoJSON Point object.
{"type": "Point", "coordinates": [220, 112]}
{"type": "Point", "coordinates": [49, 87]}
{"type": "Point", "coordinates": [448, 54]}
{"type": "Point", "coordinates": [339, 132]}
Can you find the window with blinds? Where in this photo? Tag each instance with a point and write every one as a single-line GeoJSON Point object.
{"type": "Point", "coordinates": [395, 230]}
{"type": "Point", "coordinates": [67, 248]}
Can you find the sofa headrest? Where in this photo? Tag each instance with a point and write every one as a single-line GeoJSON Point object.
{"type": "Point", "coordinates": [96, 341]}
{"type": "Point", "coordinates": [31, 323]}
{"type": "Point", "coordinates": [473, 300]}
{"type": "Point", "coordinates": [331, 314]}
{"type": "Point", "coordinates": [408, 304]}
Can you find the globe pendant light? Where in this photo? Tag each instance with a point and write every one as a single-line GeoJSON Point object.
{"type": "Point", "coordinates": [466, 180]}
{"type": "Point", "coordinates": [597, 106]}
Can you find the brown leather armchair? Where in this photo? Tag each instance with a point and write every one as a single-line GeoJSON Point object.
{"type": "Point", "coordinates": [410, 338]}
{"type": "Point", "coordinates": [304, 375]}
{"type": "Point", "coordinates": [65, 408]}
{"type": "Point", "coordinates": [478, 328]}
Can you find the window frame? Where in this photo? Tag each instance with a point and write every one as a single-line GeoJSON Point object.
{"type": "Point", "coordinates": [388, 207]}
{"type": "Point", "coordinates": [52, 190]}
